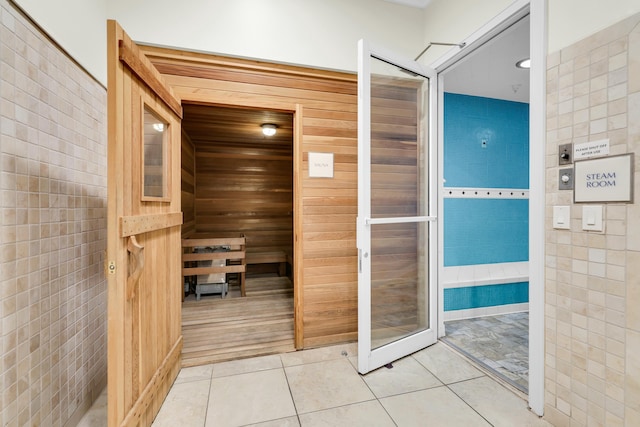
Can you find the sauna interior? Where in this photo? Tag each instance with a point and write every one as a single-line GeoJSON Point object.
{"type": "Point", "coordinates": [237, 181]}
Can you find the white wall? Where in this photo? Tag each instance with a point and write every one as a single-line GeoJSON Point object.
{"type": "Point", "coordinates": [574, 20]}
{"type": "Point", "coordinates": [569, 20]}
{"type": "Point", "coordinates": [78, 26]}
{"type": "Point", "coordinates": [451, 21]}
{"type": "Point", "coordinates": [320, 33]}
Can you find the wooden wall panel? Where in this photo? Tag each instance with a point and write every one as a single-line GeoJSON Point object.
{"type": "Point", "coordinates": [247, 192]}
{"type": "Point", "coordinates": [326, 235]}
{"type": "Point", "coordinates": [188, 185]}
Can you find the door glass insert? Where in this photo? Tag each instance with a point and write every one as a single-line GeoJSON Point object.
{"type": "Point", "coordinates": [399, 273]}
{"type": "Point", "coordinates": [398, 282]}
{"type": "Point", "coordinates": [154, 153]}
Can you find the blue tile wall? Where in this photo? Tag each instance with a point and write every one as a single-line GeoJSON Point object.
{"type": "Point", "coordinates": [504, 125]}
{"type": "Point", "coordinates": [485, 296]}
{"type": "Point", "coordinates": [485, 231]}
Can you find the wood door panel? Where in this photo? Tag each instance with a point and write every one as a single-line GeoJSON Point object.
{"type": "Point", "coordinates": [143, 246]}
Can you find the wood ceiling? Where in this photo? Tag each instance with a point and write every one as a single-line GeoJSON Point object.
{"type": "Point", "coordinates": [236, 127]}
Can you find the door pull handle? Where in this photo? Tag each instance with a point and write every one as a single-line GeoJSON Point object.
{"type": "Point", "coordinates": [136, 265]}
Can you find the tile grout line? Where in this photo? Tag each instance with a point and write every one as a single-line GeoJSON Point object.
{"type": "Point", "coordinates": [467, 403]}
{"type": "Point", "coordinates": [286, 377]}
{"type": "Point", "coordinates": [376, 398]}
{"type": "Point", "coordinates": [206, 410]}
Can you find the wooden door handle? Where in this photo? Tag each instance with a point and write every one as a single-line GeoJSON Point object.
{"type": "Point", "coordinates": [136, 263]}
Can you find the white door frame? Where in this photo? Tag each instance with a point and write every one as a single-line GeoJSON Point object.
{"type": "Point", "coordinates": [368, 357]}
{"type": "Point", "coordinates": [537, 9]}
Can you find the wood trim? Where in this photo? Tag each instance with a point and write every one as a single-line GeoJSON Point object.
{"type": "Point", "coordinates": [193, 242]}
{"type": "Point", "coordinates": [170, 362]}
{"type": "Point", "coordinates": [298, 237]}
{"type": "Point", "coordinates": [214, 255]}
{"type": "Point", "coordinates": [194, 271]}
{"type": "Point", "coordinates": [138, 224]}
{"type": "Point", "coordinates": [116, 314]}
{"type": "Point", "coordinates": [131, 59]}
{"type": "Point", "coordinates": [228, 63]}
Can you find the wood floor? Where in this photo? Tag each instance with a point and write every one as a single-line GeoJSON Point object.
{"type": "Point", "coordinates": [217, 330]}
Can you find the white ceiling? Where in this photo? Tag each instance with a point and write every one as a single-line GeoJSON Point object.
{"type": "Point", "coordinates": [414, 3]}
{"type": "Point", "coordinates": [490, 70]}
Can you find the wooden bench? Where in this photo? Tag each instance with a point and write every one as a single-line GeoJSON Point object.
{"type": "Point", "coordinates": [269, 257]}
{"type": "Point", "coordinates": [232, 260]}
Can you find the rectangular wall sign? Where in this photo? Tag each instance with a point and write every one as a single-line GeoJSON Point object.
{"type": "Point", "coordinates": [320, 165]}
{"type": "Point", "coordinates": [591, 149]}
{"type": "Point", "coordinates": [606, 179]}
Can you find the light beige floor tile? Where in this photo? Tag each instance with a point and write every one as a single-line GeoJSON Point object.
{"type": "Point", "coordinates": [249, 398]}
{"type": "Point", "coordinates": [363, 414]}
{"type": "Point", "coordinates": [282, 422]}
{"type": "Point", "coordinates": [96, 416]}
{"type": "Point", "coordinates": [497, 404]}
{"type": "Point", "coordinates": [195, 373]}
{"type": "Point", "coordinates": [406, 375]}
{"type": "Point", "coordinates": [185, 405]}
{"type": "Point", "coordinates": [243, 366]}
{"type": "Point", "coordinates": [447, 365]}
{"type": "Point", "coordinates": [324, 385]}
{"type": "Point", "coordinates": [319, 354]}
{"type": "Point", "coordinates": [434, 407]}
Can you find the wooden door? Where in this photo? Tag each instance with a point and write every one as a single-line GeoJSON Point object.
{"type": "Point", "coordinates": [143, 245]}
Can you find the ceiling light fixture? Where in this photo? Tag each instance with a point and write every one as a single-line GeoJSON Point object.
{"type": "Point", "coordinates": [524, 63]}
{"type": "Point", "coordinates": [268, 129]}
{"type": "Point", "coordinates": [158, 127]}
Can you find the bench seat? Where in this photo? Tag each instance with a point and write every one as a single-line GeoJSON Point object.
{"type": "Point", "coordinates": [269, 257]}
{"type": "Point", "coordinates": [232, 260]}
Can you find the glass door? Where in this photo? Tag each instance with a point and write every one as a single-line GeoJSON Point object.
{"type": "Point", "coordinates": [396, 230]}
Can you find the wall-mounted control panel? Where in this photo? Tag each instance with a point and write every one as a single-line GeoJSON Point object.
{"type": "Point", "coordinates": [565, 154]}
{"type": "Point", "coordinates": [565, 179]}
{"type": "Point", "coordinates": [562, 217]}
{"type": "Point", "coordinates": [592, 218]}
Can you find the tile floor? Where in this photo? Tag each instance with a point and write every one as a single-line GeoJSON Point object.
{"type": "Point", "coordinates": [321, 387]}
{"type": "Point", "coordinates": [499, 343]}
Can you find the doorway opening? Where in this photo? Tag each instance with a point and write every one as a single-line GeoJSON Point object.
{"type": "Point", "coordinates": [486, 203]}
{"type": "Point", "coordinates": [238, 182]}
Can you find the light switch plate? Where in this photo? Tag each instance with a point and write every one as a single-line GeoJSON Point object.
{"type": "Point", "coordinates": [562, 217]}
{"type": "Point", "coordinates": [592, 218]}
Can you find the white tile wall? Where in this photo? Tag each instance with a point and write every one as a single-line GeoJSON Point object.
{"type": "Point", "coordinates": [593, 279]}
{"type": "Point", "coordinates": [52, 232]}
{"type": "Point", "coordinates": [485, 274]}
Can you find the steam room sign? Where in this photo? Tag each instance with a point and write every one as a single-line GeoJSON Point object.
{"type": "Point", "coordinates": [606, 179]}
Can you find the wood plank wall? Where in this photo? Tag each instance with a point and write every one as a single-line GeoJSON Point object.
{"type": "Point", "coordinates": [188, 186]}
{"type": "Point", "coordinates": [325, 229]}
{"type": "Point", "coordinates": [245, 180]}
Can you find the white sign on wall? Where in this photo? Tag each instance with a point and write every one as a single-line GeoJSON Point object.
{"type": "Point", "coordinates": [607, 179]}
{"type": "Point", "coordinates": [591, 149]}
{"type": "Point", "coordinates": [320, 165]}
